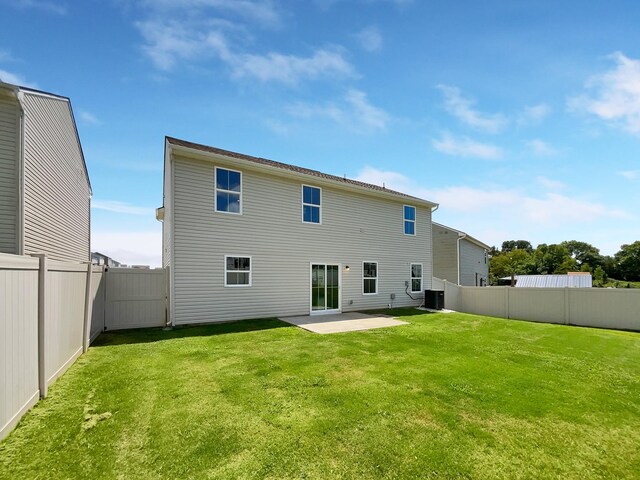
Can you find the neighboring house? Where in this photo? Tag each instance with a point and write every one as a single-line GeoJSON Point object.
{"type": "Point", "coordinates": [246, 237]}
{"type": "Point", "coordinates": [45, 192]}
{"type": "Point", "coordinates": [458, 257]}
{"type": "Point", "coordinates": [572, 280]}
{"type": "Point", "coordinates": [98, 258]}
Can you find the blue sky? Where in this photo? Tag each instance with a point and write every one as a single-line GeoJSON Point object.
{"type": "Point", "coordinates": [522, 119]}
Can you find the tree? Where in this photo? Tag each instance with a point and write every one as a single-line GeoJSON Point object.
{"type": "Point", "coordinates": [600, 276]}
{"type": "Point", "coordinates": [628, 260]}
{"type": "Point", "coordinates": [553, 259]}
{"type": "Point", "coordinates": [511, 263]}
{"type": "Point", "coordinates": [510, 245]}
{"type": "Point", "coordinates": [584, 253]}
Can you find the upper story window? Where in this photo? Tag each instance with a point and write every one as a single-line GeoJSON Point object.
{"type": "Point", "coordinates": [237, 271]}
{"type": "Point", "coordinates": [409, 220]}
{"type": "Point", "coordinates": [311, 204]}
{"type": "Point", "coordinates": [228, 191]}
{"type": "Point", "coordinates": [416, 277]}
{"type": "Point", "coordinates": [369, 278]}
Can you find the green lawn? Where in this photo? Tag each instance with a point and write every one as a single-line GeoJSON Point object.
{"type": "Point", "coordinates": [448, 396]}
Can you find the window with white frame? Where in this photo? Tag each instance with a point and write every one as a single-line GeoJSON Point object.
{"type": "Point", "coordinates": [237, 271]}
{"type": "Point", "coordinates": [311, 204]}
{"type": "Point", "coordinates": [416, 277]}
{"type": "Point", "coordinates": [228, 191]}
{"type": "Point", "coordinates": [369, 278]}
{"type": "Point", "coordinates": [409, 220]}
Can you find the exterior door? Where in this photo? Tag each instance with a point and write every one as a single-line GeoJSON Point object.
{"type": "Point", "coordinates": [325, 288]}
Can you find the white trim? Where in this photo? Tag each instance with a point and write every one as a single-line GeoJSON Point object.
{"type": "Point", "coordinates": [376, 278]}
{"type": "Point", "coordinates": [325, 312]}
{"type": "Point", "coordinates": [411, 277]}
{"type": "Point", "coordinates": [404, 220]}
{"type": "Point", "coordinates": [240, 271]}
{"type": "Point", "coordinates": [216, 189]}
{"type": "Point", "coordinates": [310, 204]}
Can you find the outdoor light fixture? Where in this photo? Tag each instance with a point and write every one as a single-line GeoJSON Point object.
{"type": "Point", "coordinates": [346, 269]}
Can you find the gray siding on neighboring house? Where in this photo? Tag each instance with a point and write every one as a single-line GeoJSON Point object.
{"type": "Point", "coordinates": [56, 190]}
{"type": "Point", "coordinates": [355, 227]}
{"type": "Point", "coordinates": [445, 253]}
{"type": "Point", "coordinates": [473, 266]}
{"type": "Point", "coordinates": [9, 174]}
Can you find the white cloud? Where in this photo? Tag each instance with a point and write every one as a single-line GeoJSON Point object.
{"type": "Point", "coordinates": [534, 114]}
{"type": "Point", "coordinates": [89, 118]}
{"type": "Point", "coordinates": [289, 69]}
{"type": "Point", "coordinates": [121, 207]}
{"type": "Point", "coordinates": [463, 109]}
{"type": "Point", "coordinates": [57, 8]}
{"type": "Point", "coordinates": [506, 208]}
{"type": "Point", "coordinates": [616, 95]}
{"type": "Point", "coordinates": [355, 112]}
{"type": "Point", "coordinates": [131, 248]}
{"type": "Point", "coordinates": [550, 184]}
{"type": "Point", "coordinates": [541, 148]}
{"type": "Point", "coordinates": [370, 39]}
{"type": "Point", "coordinates": [630, 174]}
{"type": "Point", "coordinates": [262, 12]}
{"type": "Point", "coordinates": [15, 79]}
{"type": "Point", "coordinates": [465, 147]}
{"type": "Point", "coordinates": [169, 42]}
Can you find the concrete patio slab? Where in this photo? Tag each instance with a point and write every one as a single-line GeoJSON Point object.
{"type": "Point", "coordinates": [342, 322]}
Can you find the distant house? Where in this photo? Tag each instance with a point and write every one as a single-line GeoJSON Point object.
{"type": "Point", "coordinates": [45, 192]}
{"type": "Point", "coordinates": [98, 258]}
{"type": "Point", "coordinates": [247, 237]}
{"type": "Point", "coordinates": [572, 280]}
{"type": "Point", "coordinates": [458, 257]}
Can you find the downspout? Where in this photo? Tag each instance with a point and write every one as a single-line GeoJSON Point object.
{"type": "Point", "coordinates": [431, 238]}
{"type": "Point", "coordinates": [460, 237]}
{"type": "Point", "coordinates": [20, 231]}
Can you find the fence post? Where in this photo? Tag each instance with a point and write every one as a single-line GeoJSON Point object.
{"type": "Point", "coordinates": [506, 302]}
{"type": "Point", "coordinates": [88, 301]}
{"type": "Point", "coordinates": [566, 305]}
{"type": "Point", "coordinates": [42, 324]}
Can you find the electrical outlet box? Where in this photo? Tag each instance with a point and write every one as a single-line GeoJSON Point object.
{"type": "Point", "coordinates": [406, 283]}
{"type": "Point", "coordinates": [393, 296]}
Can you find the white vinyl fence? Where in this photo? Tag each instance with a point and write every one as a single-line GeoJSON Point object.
{"type": "Point", "coordinates": [50, 312]}
{"type": "Point", "coordinates": [617, 308]}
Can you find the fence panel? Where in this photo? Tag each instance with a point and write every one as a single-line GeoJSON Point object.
{"type": "Point", "coordinates": [18, 338]}
{"type": "Point", "coordinates": [452, 297]}
{"type": "Point", "coordinates": [135, 298]}
{"type": "Point", "coordinates": [537, 304]}
{"type": "Point", "coordinates": [617, 308]}
{"type": "Point", "coordinates": [64, 316]}
{"type": "Point", "coordinates": [484, 301]}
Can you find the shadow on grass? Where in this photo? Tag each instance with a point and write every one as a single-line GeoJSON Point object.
{"type": "Point", "coordinates": [150, 335]}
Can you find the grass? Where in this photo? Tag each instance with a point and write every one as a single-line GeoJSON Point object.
{"type": "Point", "coordinates": [448, 396]}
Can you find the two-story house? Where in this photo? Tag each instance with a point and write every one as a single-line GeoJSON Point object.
{"type": "Point", "coordinates": [459, 258]}
{"type": "Point", "coordinates": [45, 192]}
{"type": "Point", "coordinates": [245, 237]}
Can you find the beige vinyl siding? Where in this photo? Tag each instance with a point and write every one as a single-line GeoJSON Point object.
{"type": "Point", "coordinates": [56, 191]}
{"type": "Point", "coordinates": [9, 175]}
{"type": "Point", "coordinates": [472, 262]}
{"type": "Point", "coordinates": [355, 227]}
{"type": "Point", "coordinates": [445, 254]}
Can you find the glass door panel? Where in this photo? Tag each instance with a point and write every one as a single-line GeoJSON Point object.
{"type": "Point", "coordinates": [325, 287]}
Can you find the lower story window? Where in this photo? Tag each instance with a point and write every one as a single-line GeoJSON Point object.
{"type": "Point", "coordinates": [237, 271]}
{"type": "Point", "coordinates": [369, 278]}
{"type": "Point", "coordinates": [416, 277]}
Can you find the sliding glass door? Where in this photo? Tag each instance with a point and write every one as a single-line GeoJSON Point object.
{"type": "Point", "coordinates": [325, 288]}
